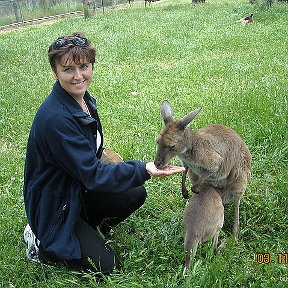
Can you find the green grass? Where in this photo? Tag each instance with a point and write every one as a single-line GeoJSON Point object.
{"type": "Point", "coordinates": [194, 56]}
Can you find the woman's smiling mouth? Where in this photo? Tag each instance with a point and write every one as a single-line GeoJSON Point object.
{"type": "Point", "coordinates": [78, 83]}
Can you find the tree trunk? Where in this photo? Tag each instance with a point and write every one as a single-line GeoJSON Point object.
{"type": "Point", "coordinates": [17, 11]}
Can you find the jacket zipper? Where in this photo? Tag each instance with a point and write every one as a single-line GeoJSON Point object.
{"type": "Point", "coordinates": [60, 218]}
{"type": "Point", "coordinates": [63, 213]}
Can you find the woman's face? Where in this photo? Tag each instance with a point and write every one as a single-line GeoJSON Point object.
{"type": "Point", "coordinates": [74, 78]}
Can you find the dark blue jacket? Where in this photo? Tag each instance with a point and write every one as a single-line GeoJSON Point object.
{"type": "Point", "coordinates": [61, 163]}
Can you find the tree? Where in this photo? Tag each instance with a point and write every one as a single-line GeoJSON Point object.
{"type": "Point", "coordinates": [17, 11]}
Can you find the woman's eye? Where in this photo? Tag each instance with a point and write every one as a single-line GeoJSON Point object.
{"type": "Point", "coordinates": [84, 66]}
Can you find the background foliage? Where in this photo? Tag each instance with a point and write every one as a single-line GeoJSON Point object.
{"type": "Point", "coordinates": [194, 56]}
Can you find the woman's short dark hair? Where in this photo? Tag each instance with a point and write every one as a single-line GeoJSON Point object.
{"type": "Point", "coordinates": [75, 45]}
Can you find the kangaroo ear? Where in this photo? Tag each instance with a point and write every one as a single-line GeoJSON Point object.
{"type": "Point", "coordinates": [188, 118]}
{"type": "Point", "coordinates": [166, 112]}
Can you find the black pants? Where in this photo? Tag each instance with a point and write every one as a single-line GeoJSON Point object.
{"type": "Point", "coordinates": [105, 209]}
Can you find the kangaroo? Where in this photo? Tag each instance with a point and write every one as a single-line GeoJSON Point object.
{"type": "Point", "coordinates": [246, 20]}
{"type": "Point", "coordinates": [203, 220]}
{"type": "Point", "coordinates": [215, 155]}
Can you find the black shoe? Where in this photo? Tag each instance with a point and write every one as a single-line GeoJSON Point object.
{"type": "Point", "coordinates": [106, 230]}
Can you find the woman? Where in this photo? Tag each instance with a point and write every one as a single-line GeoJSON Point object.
{"type": "Point", "coordinates": [69, 192]}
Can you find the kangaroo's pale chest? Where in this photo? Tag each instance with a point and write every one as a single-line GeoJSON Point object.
{"type": "Point", "coordinates": [214, 179]}
{"type": "Point", "coordinates": [197, 169]}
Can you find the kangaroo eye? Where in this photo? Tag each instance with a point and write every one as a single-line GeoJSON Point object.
{"type": "Point", "coordinates": [171, 148]}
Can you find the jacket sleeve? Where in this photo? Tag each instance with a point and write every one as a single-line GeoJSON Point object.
{"type": "Point", "coordinates": [73, 153]}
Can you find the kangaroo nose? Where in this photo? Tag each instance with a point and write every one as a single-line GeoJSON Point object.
{"type": "Point", "coordinates": [157, 164]}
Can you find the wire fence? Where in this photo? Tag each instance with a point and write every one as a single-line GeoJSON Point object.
{"type": "Point", "coordinates": [16, 11]}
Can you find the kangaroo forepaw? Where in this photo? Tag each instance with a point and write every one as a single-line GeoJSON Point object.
{"type": "Point", "coordinates": [185, 193]}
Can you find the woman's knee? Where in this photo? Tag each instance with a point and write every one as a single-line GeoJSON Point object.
{"type": "Point", "coordinates": [138, 195]}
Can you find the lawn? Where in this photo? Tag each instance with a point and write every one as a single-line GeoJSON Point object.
{"type": "Point", "coordinates": [193, 56]}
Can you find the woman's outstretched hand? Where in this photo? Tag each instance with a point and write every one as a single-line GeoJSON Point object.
{"type": "Point", "coordinates": [168, 170]}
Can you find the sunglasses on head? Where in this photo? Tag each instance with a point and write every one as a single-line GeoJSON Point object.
{"type": "Point", "coordinates": [77, 41]}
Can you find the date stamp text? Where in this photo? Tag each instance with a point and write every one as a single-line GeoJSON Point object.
{"type": "Point", "coordinates": [267, 258]}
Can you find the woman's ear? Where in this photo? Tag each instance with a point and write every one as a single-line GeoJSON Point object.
{"type": "Point", "coordinates": [54, 74]}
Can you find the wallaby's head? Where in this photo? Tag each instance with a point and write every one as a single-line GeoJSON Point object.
{"type": "Point", "coordinates": [171, 140]}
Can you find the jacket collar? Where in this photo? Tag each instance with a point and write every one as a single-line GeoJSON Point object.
{"type": "Point", "coordinates": [71, 104]}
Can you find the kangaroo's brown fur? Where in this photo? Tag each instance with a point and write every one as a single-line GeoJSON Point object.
{"type": "Point", "coordinates": [215, 155]}
{"type": "Point", "coordinates": [203, 220]}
